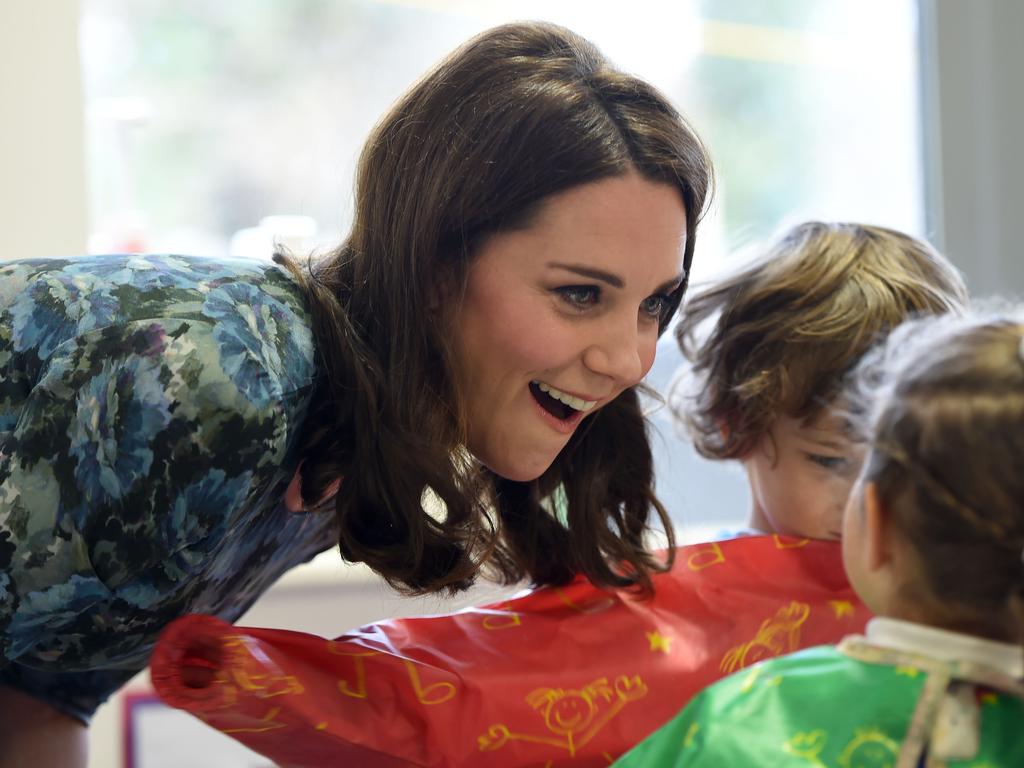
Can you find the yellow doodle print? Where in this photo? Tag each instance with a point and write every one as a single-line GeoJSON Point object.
{"type": "Point", "coordinates": [358, 691]}
{"type": "Point", "coordinates": [435, 693]}
{"type": "Point", "coordinates": [691, 734]}
{"type": "Point", "coordinates": [502, 619]}
{"type": "Point", "coordinates": [572, 717]}
{"type": "Point", "coordinates": [270, 724]}
{"type": "Point", "coordinates": [869, 748]}
{"type": "Point", "coordinates": [242, 671]}
{"type": "Point", "coordinates": [445, 691]}
{"type": "Point", "coordinates": [777, 636]}
{"type": "Point", "coordinates": [750, 680]}
{"type": "Point", "coordinates": [842, 608]}
{"type": "Point", "coordinates": [595, 607]}
{"type": "Point", "coordinates": [789, 543]}
{"type": "Point", "coordinates": [705, 558]}
{"type": "Point", "coordinates": [807, 745]}
{"type": "Point", "coordinates": [229, 693]}
{"type": "Point", "coordinates": [658, 641]}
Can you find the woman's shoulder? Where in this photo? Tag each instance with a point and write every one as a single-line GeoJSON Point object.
{"type": "Point", "coordinates": [93, 291]}
{"type": "Point", "coordinates": [210, 385]}
{"type": "Point", "coordinates": [257, 313]}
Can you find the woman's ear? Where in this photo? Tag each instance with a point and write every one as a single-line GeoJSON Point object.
{"type": "Point", "coordinates": [877, 529]}
{"type": "Point", "coordinates": [434, 297]}
{"type": "Point", "coordinates": [443, 291]}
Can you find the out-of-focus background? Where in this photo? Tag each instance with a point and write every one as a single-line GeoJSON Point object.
{"type": "Point", "coordinates": [221, 127]}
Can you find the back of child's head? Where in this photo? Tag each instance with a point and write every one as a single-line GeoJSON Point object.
{"type": "Point", "coordinates": [942, 409]}
{"type": "Point", "coordinates": [789, 327]}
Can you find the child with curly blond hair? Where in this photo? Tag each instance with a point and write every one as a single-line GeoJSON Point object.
{"type": "Point", "coordinates": [785, 330]}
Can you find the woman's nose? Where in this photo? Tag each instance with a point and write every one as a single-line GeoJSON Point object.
{"type": "Point", "coordinates": [618, 351]}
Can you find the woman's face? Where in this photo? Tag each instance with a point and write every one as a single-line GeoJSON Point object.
{"type": "Point", "coordinates": [562, 316]}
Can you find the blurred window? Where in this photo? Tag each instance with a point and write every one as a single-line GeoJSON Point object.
{"type": "Point", "coordinates": [218, 127]}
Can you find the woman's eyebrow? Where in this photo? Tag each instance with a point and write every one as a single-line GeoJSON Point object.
{"type": "Point", "coordinates": [670, 285]}
{"type": "Point", "coordinates": [611, 279]}
{"type": "Point", "coordinates": [594, 274]}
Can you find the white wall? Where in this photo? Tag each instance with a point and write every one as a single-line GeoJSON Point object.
{"type": "Point", "coordinates": [973, 121]}
{"type": "Point", "coordinates": [42, 157]}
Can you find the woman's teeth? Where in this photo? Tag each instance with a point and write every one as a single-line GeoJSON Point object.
{"type": "Point", "coordinates": [563, 397]}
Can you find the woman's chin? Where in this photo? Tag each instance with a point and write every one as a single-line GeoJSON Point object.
{"type": "Point", "coordinates": [518, 471]}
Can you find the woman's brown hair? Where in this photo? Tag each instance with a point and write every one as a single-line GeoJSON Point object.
{"type": "Point", "coordinates": [942, 406]}
{"type": "Point", "coordinates": [788, 328]}
{"type": "Point", "coordinates": [517, 114]}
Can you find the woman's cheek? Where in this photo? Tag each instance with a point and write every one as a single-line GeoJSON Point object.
{"type": "Point", "coordinates": [647, 354]}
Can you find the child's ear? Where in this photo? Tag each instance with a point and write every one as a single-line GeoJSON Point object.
{"type": "Point", "coordinates": [877, 529]}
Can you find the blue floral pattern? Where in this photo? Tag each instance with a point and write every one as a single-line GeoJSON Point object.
{"type": "Point", "coordinates": [148, 408]}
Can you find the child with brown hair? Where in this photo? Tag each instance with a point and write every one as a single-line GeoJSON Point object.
{"type": "Point", "coordinates": [786, 330]}
{"type": "Point", "coordinates": [933, 542]}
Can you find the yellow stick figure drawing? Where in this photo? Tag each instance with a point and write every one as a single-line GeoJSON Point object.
{"type": "Point", "coordinates": [572, 717]}
{"type": "Point", "coordinates": [808, 746]}
{"type": "Point", "coordinates": [777, 635]}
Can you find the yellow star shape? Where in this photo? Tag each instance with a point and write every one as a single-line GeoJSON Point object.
{"type": "Point", "coordinates": [842, 608]}
{"type": "Point", "coordinates": [908, 671]}
{"type": "Point", "coordinates": [658, 641]}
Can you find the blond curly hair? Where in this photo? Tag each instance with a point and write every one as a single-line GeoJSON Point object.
{"type": "Point", "coordinates": [789, 327]}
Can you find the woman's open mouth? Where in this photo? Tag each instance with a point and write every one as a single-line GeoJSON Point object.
{"type": "Point", "coordinates": [567, 410]}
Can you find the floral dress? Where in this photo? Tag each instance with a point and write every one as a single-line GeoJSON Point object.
{"type": "Point", "coordinates": [150, 408]}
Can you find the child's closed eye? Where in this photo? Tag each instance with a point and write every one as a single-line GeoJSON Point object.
{"type": "Point", "coordinates": [835, 463]}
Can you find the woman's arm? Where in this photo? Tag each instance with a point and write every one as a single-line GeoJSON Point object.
{"type": "Point", "coordinates": [33, 733]}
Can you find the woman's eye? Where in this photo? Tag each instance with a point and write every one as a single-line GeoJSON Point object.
{"type": "Point", "coordinates": [579, 296]}
{"type": "Point", "coordinates": [828, 462]}
{"type": "Point", "coordinates": [654, 306]}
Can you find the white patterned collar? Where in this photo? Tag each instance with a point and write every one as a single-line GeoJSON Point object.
{"type": "Point", "coordinates": [944, 645]}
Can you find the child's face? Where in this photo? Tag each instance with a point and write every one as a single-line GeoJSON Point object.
{"type": "Point", "coordinates": [857, 538]}
{"type": "Point", "coordinates": [800, 477]}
